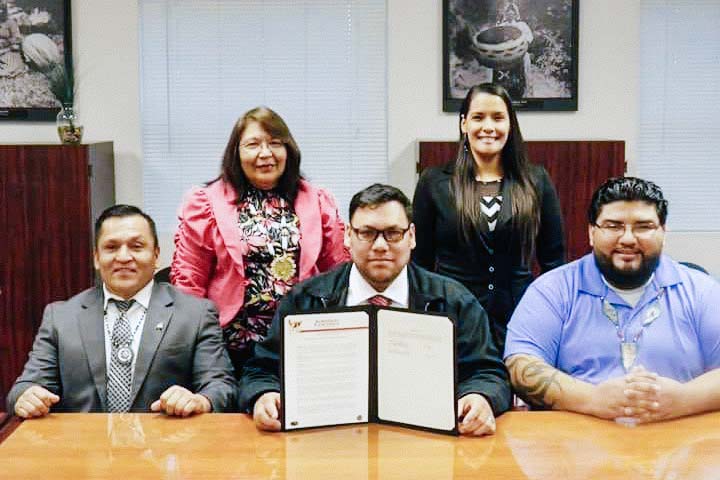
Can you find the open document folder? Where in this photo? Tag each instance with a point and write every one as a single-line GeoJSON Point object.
{"type": "Point", "coordinates": [364, 364]}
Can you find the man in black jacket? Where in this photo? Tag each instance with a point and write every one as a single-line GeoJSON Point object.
{"type": "Point", "coordinates": [380, 237]}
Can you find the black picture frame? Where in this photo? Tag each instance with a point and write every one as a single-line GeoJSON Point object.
{"type": "Point", "coordinates": [528, 46]}
{"type": "Point", "coordinates": [36, 66]}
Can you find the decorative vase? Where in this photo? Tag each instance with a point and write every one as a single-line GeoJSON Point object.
{"type": "Point", "coordinates": [69, 127]}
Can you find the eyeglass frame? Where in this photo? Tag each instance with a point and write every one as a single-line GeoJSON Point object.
{"type": "Point", "coordinates": [377, 233]}
{"type": "Point", "coordinates": [618, 229]}
{"type": "Point", "coordinates": [256, 149]}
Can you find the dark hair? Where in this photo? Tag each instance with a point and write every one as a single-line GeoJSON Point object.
{"type": "Point", "coordinates": [628, 189]}
{"type": "Point", "coordinates": [516, 170]}
{"type": "Point", "coordinates": [124, 211]}
{"type": "Point", "coordinates": [271, 122]}
{"type": "Point", "coordinates": [379, 194]}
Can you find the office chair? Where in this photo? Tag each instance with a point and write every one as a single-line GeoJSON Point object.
{"type": "Point", "coordinates": [163, 275]}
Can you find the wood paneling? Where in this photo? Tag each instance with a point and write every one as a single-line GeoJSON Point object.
{"type": "Point", "coordinates": [576, 167]}
{"type": "Point", "coordinates": [46, 234]}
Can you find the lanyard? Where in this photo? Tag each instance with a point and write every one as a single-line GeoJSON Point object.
{"type": "Point", "coordinates": [629, 348]}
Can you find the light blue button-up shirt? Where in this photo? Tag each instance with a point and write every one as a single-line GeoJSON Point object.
{"type": "Point", "coordinates": [560, 319]}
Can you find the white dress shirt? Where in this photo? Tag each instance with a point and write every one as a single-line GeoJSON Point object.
{"type": "Point", "coordinates": [359, 290]}
{"type": "Point", "coordinates": [135, 315]}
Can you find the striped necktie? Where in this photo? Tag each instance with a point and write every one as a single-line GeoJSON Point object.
{"type": "Point", "coordinates": [119, 376]}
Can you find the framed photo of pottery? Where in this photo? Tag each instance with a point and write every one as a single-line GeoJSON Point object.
{"type": "Point", "coordinates": [36, 76]}
{"type": "Point", "coordinates": [530, 47]}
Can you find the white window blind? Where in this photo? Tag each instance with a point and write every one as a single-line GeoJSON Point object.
{"type": "Point", "coordinates": [679, 139]}
{"type": "Point", "coordinates": [321, 64]}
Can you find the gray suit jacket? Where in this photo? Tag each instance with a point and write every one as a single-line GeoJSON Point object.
{"type": "Point", "coordinates": [181, 344]}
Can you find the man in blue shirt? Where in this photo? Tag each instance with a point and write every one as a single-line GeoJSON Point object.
{"type": "Point", "coordinates": [624, 332]}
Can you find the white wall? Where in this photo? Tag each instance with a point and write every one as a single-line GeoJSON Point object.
{"type": "Point", "coordinates": [105, 45]}
{"type": "Point", "coordinates": [607, 85]}
{"type": "Point", "coordinates": [607, 109]}
{"type": "Point", "coordinates": [105, 36]}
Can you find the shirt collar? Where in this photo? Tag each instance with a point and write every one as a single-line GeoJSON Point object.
{"type": "Point", "coordinates": [142, 297]}
{"type": "Point", "coordinates": [359, 290]}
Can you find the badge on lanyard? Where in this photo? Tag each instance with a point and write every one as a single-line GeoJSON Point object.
{"type": "Point", "coordinates": [628, 353]}
{"type": "Point", "coordinates": [629, 348]}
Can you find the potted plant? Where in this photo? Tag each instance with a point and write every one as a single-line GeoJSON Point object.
{"type": "Point", "coordinates": [62, 84]}
{"type": "Point", "coordinates": [43, 54]}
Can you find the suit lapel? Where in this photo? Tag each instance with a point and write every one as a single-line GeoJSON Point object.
{"type": "Point", "coordinates": [307, 209]}
{"type": "Point", "coordinates": [421, 301]}
{"type": "Point", "coordinates": [502, 230]}
{"type": "Point", "coordinates": [92, 332]}
{"type": "Point", "coordinates": [477, 233]}
{"type": "Point", "coordinates": [223, 201]}
{"type": "Point", "coordinates": [482, 235]}
{"type": "Point", "coordinates": [157, 321]}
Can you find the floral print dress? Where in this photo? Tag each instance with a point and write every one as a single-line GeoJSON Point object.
{"type": "Point", "coordinates": [271, 229]}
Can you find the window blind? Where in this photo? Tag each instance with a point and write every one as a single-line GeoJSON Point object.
{"type": "Point", "coordinates": [679, 137]}
{"type": "Point", "coordinates": [321, 64]}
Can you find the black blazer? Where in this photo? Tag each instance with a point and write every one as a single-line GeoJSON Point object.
{"type": "Point", "coordinates": [492, 267]}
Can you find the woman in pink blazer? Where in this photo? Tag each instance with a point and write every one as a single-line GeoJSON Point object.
{"type": "Point", "coordinates": [248, 236]}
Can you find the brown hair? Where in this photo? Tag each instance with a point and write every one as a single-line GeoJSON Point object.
{"type": "Point", "coordinates": [516, 170]}
{"type": "Point", "coordinates": [231, 170]}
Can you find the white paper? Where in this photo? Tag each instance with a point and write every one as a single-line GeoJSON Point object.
{"type": "Point", "coordinates": [326, 363]}
{"type": "Point", "coordinates": [416, 367]}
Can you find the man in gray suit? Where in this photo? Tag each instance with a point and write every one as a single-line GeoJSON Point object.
{"type": "Point", "coordinates": [130, 345]}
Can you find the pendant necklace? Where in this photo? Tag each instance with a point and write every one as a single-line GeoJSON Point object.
{"type": "Point", "coordinates": [123, 353]}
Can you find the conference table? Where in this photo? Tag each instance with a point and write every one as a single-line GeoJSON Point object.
{"type": "Point", "coordinates": [534, 445]}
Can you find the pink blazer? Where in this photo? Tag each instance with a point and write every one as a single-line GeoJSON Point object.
{"type": "Point", "coordinates": [208, 258]}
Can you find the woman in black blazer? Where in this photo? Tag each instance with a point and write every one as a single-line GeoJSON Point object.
{"type": "Point", "coordinates": [482, 218]}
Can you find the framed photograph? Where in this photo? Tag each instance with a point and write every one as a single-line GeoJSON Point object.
{"type": "Point", "coordinates": [528, 46]}
{"type": "Point", "coordinates": [36, 75]}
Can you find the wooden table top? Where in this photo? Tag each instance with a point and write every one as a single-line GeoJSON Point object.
{"type": "Point", "coordinates": [535, 445]}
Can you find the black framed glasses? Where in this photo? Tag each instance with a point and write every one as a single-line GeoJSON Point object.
{"type": "Point", "coordinates": [391, 235]}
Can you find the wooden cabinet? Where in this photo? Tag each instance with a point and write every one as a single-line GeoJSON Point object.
{"type": "Point", "coordinates": [576, 167]}
{"type": "Point", "coordinates": [49, 198]}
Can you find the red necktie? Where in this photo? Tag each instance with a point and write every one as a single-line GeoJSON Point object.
{"type": "Point", "coordinates": [379, 301]}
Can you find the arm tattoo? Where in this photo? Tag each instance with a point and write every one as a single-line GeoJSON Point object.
{"type": "Point", "coordinates": [534, 380]}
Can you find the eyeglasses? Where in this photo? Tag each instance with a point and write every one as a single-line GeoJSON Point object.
{"type": "Point", "coordinates": [618, 229]}
{"type": "Point", "coordinates": [255, 145]}
{"type": "Point", "coordinates": [391, 235]}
